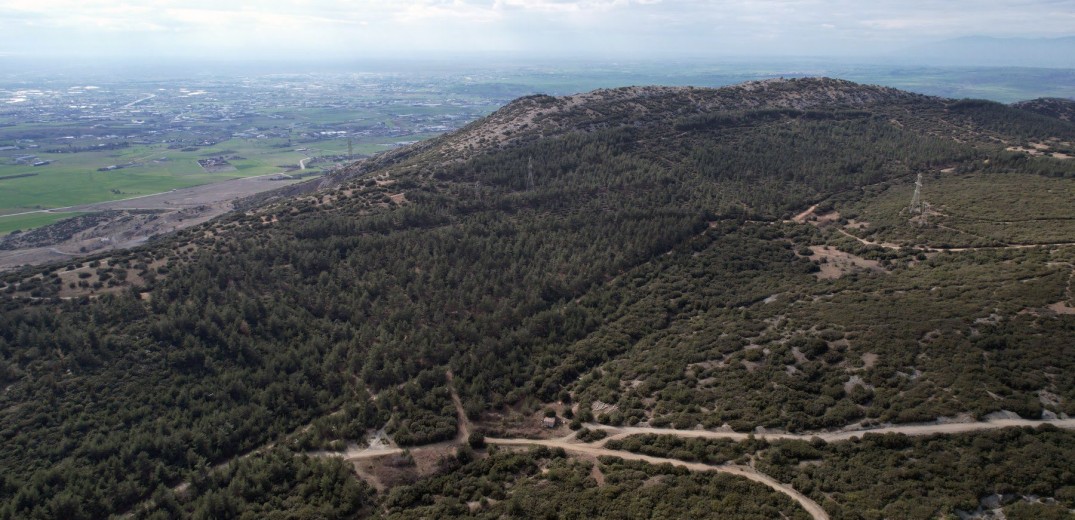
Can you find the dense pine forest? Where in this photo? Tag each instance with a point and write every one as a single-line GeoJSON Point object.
{"type": "Point", "coordinates": [736, 259]}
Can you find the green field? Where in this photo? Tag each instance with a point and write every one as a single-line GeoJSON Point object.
{"type": "Point", "coordinates": [74, 178]}
{"type": "Point", "coordinates": [171, 161]}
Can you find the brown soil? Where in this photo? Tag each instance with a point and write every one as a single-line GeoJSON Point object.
{"type": "Point", "coordinates": [1062, 308]}
{"type": "Point", "coordinates": [129, 223]}
{"type": "Point", "coordinates": [801, 217]}
{"type": "Point", "coordinates": [839, 263]}
{"type": "Point", "coordinates": [869, 360]}
{"type": "Point", "coordinates": [811, 216]}
{"type": "Point", "coordinates": [367, 470]}
{"type": "Point", "coordinates": [1029, 151]}
{"type": "Point", "coordinates": [596, 473]}
{"type": "Point", "coordinates": [828, 218]}
{"type": "Point", "coordinates": [387, 471]}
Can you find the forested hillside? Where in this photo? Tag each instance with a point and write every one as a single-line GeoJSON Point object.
{"type": "Point", "coordinates": [740, 258]}
{"type": "Point", "coordinates": [1063, 109]}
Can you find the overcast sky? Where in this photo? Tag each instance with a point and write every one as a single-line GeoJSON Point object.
{"type": "Point", "coordinates": [387, 29]}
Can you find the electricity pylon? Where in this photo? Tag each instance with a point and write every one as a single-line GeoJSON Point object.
{"type": "Point", "coordinates": [917, 206]}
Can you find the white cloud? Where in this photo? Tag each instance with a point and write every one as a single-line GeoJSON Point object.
{"type": "Point", "coordinates": [628, 27]}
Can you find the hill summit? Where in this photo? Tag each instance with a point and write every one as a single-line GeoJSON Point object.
{"type": "Point", "coordinates": [546, 115]}
{"type": "Point", "coordinates": [537, 117]}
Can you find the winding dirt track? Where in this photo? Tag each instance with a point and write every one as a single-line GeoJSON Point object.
{"type": "Point", "coordinates": [572, 445]}
{"type": "Point", "coordinates": [597, 449]}
{"type": "Point", "coordinates": [809, 505]}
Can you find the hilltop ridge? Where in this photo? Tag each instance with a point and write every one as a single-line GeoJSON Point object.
{"type": "Point", "coordinates": [538, 116]}
{"type": "Point", "coordinates": [1059, 108]}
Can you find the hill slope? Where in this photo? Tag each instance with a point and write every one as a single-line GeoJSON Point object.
{"type": "Point", "coordinates": [1062, 109]}
{"type": "Point", "coordinates": [670, 257]}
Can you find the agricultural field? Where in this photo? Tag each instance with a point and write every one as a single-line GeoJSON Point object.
{"type": "Point", "coordinates": [71, 179]}
{"type": "Point", "coordinates": [71, 145]}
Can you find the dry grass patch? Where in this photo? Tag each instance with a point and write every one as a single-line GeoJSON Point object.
{"type": "Point", "coordinates": [835, 263]}
{"type": "Point", "coordinates": [869, 360]}
{"type": "Point", "coordinates": [1062, 308]}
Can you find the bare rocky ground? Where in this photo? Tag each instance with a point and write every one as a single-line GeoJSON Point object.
{"type": "Point", "coordinates": [127, 223]}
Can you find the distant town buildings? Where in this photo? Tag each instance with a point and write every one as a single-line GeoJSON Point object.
{"type": "Point", "coordinates": [194, 117]}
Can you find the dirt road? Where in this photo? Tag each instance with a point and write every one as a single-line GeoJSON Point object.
{"type": "Point", "coordinates": [572, 445]}
{"type": "Point", "coordinates": [809, 505]}
{"type": "Point", "coordinates": [815, 510]}
{"type": "Point", "coordinates": [801, 217]}
{"type": "Point", "coordinates": [619, 432]}
{"type": "Point", "coordinates": [461, 414]}
{"type": "Point", "coordinates": [887, 245]}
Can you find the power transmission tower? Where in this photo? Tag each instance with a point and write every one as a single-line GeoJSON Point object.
{"type": "Point", "coordinates": [350, 149]}
{"type": "Point", "coordinates": [917, 206]}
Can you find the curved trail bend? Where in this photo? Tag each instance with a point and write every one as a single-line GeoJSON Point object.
{"type": "Point", "coordinates": [811, 507]}
{"type": "Point", "coordinates": [570, 444]}
{"type": "Point", "coordinates": [597, 449]}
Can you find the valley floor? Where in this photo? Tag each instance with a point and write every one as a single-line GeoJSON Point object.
{"type": "Point", "coordinates": [132, 222]}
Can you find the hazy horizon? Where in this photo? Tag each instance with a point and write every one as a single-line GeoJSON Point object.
{"type": "Point", "coordinates": [372, 30]}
